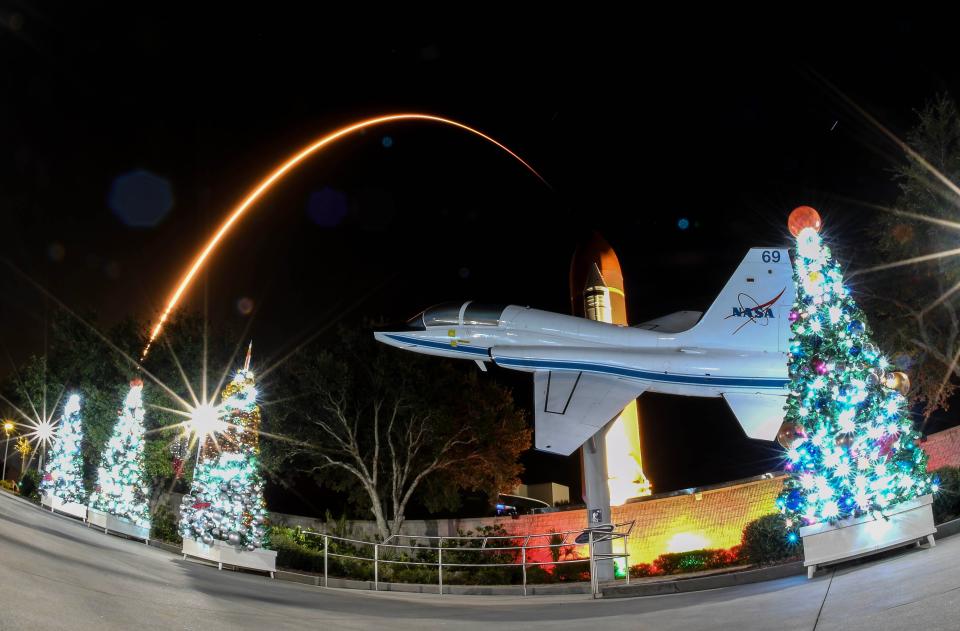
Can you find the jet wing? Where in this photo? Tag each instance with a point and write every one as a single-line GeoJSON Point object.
{"type": "Point", "coordinates": [572, 406]}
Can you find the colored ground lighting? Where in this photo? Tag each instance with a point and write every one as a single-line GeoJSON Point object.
{"type": "Point", "coordinates": [278, 173]}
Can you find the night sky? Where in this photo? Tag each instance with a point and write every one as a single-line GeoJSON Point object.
{"type": "Point", "coordinates": [636, 125]}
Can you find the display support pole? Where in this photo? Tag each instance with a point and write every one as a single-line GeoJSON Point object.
{"type": "Point", "coordinates": [597, 497]}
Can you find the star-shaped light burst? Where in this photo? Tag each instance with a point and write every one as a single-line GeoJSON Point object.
{"type": "Point", "coordinates": [38, 425]}
{"type": "Point", "coordinates": [41, 431]}
{"type": "Point", "coordinates": [205, 421]}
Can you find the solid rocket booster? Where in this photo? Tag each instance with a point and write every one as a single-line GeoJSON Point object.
{"type": "Point", "coordinates": [596, 292]}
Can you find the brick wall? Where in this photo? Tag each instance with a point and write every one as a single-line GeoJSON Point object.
{"type": "Point", "coordinates": [712, 518]}
{"type": "Point", "coordinates": [943, 448]}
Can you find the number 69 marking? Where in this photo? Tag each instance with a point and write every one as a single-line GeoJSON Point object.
{"type": "Point", "coordinates": [769, 256]}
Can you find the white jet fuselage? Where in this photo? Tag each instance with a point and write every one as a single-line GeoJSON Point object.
{"type": "Point", "coordinates": [529, 340]}
{"type": "Point", "coordinates": [586, 371]}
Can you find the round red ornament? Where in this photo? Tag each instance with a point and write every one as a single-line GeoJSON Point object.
{"type": "Point", "coordinates": [803, 217]}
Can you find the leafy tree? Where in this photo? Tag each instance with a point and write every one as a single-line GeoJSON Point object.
{"type": "Point", "coordinates": [385, 426]}
{"type": "Point", "coordinates": [916, 308]}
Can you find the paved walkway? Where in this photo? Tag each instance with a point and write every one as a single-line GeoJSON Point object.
{"type": "Point", "coordinates": [57, 574]}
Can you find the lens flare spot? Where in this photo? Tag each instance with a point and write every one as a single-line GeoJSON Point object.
{"type": "Point", "coordinates": [140, 199]}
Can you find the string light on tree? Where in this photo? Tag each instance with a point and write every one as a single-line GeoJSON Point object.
{"type": "Point", "coordinates": [63, 474]}
{"type": "Point", "coordinates": [850, 443]}
{"type": "Point", "coordinates": [121, 486]}
{"type": "Point", "coordinates": [225, 502]}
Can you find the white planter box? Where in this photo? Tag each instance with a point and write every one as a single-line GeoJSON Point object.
{"type": "Point", "coordinates": [222, 553]}
{"type": "Point", "coordinates": [54, 503]}
{"type": "Point", "coordinates": [861, 536]}
{"type": "Point", "coordinates": [111, 523]}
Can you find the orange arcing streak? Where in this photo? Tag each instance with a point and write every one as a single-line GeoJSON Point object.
{"type": "Point", "coordinates": [277, 174]}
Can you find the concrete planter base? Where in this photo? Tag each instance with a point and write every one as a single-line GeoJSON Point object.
{"type": "Point", "coordinates": [54, 503]}
{"type": "Point", "coordinates": [222, 553]}
{"type": "Point", "coordinates": [112, 523]}
{"type": "Point", "coordinates": [861, 536]}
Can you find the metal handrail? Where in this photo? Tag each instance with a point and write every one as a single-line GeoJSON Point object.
{"type": "Point", "coordinates": [601, 533]}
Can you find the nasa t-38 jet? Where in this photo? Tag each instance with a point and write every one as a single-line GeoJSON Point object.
{"type": "Point", "coordinates": [585, 372]}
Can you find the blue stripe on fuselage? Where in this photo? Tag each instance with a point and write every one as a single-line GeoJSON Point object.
{"type": "Point", "coordinates": [443, 346]}
{"type": "Point", "coordinates": [619, 371]}
{"type": "Point", "coordinates": [644, 375]}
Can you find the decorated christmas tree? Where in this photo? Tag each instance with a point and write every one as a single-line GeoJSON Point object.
{"type": "Point", "coordinates": [121, 488]}
{"type": "Point", "coordinates": [851, 445]}
{"type": "Point", "coordinates": [63, 473]}
{"type": "Point", "coordinates": [226, 496]}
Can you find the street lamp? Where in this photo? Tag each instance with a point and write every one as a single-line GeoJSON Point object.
{"type": "Point", "coordinates": [7, 429]}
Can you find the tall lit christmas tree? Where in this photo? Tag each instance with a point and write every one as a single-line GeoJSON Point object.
{"type": "Point", "coordinates": [121, 487]}
{"type": "Point", "coordinates": [63, 473]}
{"type": "Point", "coordinates": [226, 496]}
{"type": "Point", "coordinates": [851, 445]}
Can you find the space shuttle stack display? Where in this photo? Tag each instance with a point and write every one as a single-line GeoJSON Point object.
{"type": "Point", "coordinates": [596, 293]}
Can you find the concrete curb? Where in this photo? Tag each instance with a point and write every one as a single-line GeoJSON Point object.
{"type": "Point", "coordinates": [20, 498]}
{"type": "Point", "coordinates": [164, 545]}
{"type": "Point", "coordinates": [421, 588]}
{"type": "Point", "coordinates": [947, 529]}
{"type": "Point", "coordinates": [697, 584]}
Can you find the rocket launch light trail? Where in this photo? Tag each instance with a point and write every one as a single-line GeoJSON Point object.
{"type": "Point", "coordinates": [277, 174]}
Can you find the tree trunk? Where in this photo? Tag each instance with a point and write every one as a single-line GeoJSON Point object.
{"type": "Point", "coordinates": [383, 529]}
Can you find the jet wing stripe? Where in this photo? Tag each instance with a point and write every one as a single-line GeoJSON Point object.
{"type": "Point", "coordinates": [646, 375]}
{"type": "Point", "coordinates": [445, 346]}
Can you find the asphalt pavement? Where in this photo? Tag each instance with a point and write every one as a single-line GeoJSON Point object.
{"type": "Point", "coordinates": [57, 574]}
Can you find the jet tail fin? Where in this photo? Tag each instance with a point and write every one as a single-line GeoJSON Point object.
{"type": "Point", "coordinates": [750, 313]}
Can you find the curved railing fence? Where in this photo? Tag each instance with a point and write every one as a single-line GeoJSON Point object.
{"type": "Point", "coordinates": [523, 560]}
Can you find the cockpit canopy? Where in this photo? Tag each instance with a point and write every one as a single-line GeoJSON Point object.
{"type": "Point", "coordinates": [458, 314]}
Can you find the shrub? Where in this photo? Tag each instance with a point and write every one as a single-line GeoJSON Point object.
{"type": "Point", "coordinates": [30, 485]}
{"type": "Point", "coordinates": [297, 551]}
{"type": "Point", "coordinates": [293, 555]}
{"type": "Point", "coordinates": [164, 525]}
{"type": "Point", "coordinates": [946, 502]}
{"type": "Point", "coordinates": [694, 561]}
{"type": "Point", "coordinates": [765, 541]}
{"type": "Point", "coordinates": [643, 570]}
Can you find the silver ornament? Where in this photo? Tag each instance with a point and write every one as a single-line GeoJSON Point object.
{"type": "Point", "coordinates": [233, 539]}
{"type": "Point", "coordinates": [208, 540]}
